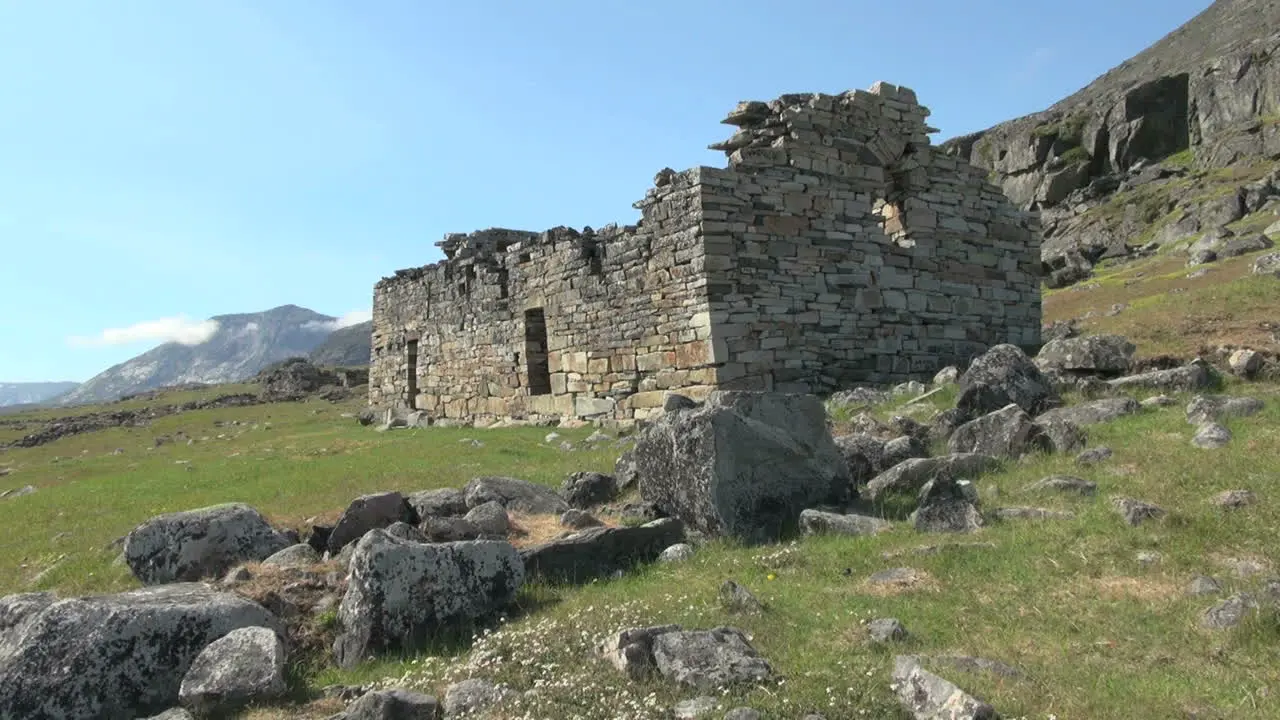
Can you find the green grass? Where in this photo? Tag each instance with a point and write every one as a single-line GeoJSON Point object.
{"type": "Point", "coordinates": [1096, 634]}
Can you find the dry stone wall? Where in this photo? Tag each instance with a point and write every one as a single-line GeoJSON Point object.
{"type": "Point", "coordinates": [838, 246]}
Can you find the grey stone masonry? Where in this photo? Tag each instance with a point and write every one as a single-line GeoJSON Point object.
{"type": "Point", "coordinates": [838, 246]}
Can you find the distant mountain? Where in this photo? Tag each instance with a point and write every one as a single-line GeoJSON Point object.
{"type": "Point", "coordinates": [30, 393]}
{"type": "Point", "coordinates": [243, 345]}
{"type": "Point", "coordinates": [346, 347]}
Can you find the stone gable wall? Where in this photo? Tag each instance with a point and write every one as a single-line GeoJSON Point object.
{"type": "Point", "coordinates": [837, 247]}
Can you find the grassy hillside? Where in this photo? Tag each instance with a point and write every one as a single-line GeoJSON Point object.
{"type": "Point", "coordinates": [1094, 628]}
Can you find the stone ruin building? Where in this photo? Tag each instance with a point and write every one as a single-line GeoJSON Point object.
{"type": "Point", "coordinates": [837, 247]}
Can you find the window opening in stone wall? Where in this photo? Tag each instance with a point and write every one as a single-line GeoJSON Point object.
{"type": "Point", "coordinates": [504, 278]}
{"type": "Point", "coordinates": [535, 352]}
{"type": "Point", "coordinates": [412, 380]}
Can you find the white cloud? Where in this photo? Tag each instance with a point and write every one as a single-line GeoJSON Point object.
{"type": "Point", "coordinates": [179, 329]}
{"type": "Point", "coordinates": [355, 317]}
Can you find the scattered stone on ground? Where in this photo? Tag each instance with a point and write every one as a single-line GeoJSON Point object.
{"type": "Point", "coordinates": [1192, 376]}
{"type": "Point", "coordinates": [680, 552]}
{"type": "Point", "coordinates": [1203, 585]}
{"type": "Point", "coordinates": [736, 598]}
{"type": "Point", "coordinates": [1229, 612]}
{"type": "Point", "coordinates": [886, 630]}
{"type": "Point", "coordinates": [579, 519]}
{"type": "Point", "coordinates": [1064, 484]}
{"type": "Point", "coordinates": [743, 713]}
{"type": "Point", "coordinates": [515, 495]}
{"type": "Point", "coordinates": [1093, 456]}
{"type": "Point", "coordinates": [397, 704]}
{"type": "Point", "coordinates": [1093, 412]}
{"type": "Point", "coordinates": [1234, 499]}
{"type": "Point", "coordinates": [1211, 436]}
{"type": "Point", "coordinates": [472, 696]}
{"type": "Point", "coordinates": [1216, 408]}
{"type": "Point", "coordinates": [1010, 377]}
{"type": "Point", "coordinates": [1005, 433]}
{"type": "Point", "coordinates": [818, 522]}
{"type": "Point", "coordinates": [946, 506]}
{"type": "Point", "coordinates": [1246, 363]}
{"type": "Point", "coordinates": [1032, 513]}
{"type": "Point", "coordinates": [929, 697]}
{"type": "Point", "coordinates": [600, 551]}
{"type": "Point", "coordinates": [911, 475]}
{"type": "Point", "coordinates": [700, 707]}
{"type": "Point", "coordinates": [244, 666]}
{"type": "Point", "coordinates": [709, 659]}
{"type": "Point", "coordinates": [583, 490]}
{"type": "Point", "coordinates": [1136, 512]}
{"type": "Point", "coordinates": [1148, 558]}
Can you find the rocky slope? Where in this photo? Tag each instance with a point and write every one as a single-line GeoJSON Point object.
{"type": "Point", "coordinates": [1170, 145]}
{"type": "Point", "coordinates": [243, 345]}
{"type": "Point", "coordinates": [346, 347]}
{"type": "Point", "coordinates": [29, 393]}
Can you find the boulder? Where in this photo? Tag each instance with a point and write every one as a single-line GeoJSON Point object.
{"type": "Point", "coordinates": [1214, 408]}
{"type": "Point", "coordinates": [448, 529]}
{"type": "Point", "coordinates": [742, 464]}
{"type": "Point", "coordinates": [196, 544]}
{"type": "Point", "coordinates": [244, 666]}
{"type": "Point", "coordinates": [886, 630]}
{"type": "Point", "coordinates": [863, 454]}
{"type": "Point", "coordinates": [678, 553]}
{"type": "Point", "coordinates": [902, 448]}
{"type": "Point", "coordinates": [737, 599]}
{"type": "Point", "coordinates": [393, 705]}
{"type": "Point", "coordinates": [17, 612]}
{"type": "Point", "coordinates": [1211, 436]}
{"type": "Point", "coordinates": [631, 651]}
{"type": "Point", "coordinates": [949, 375]}
{"type": "Point", "coordinates": [911, 475]}
{"type": "Point", "coordinates": [1065, 484]}
{"type": "Point", "coordinates": [490, 518]}
{"type": "Point", "coordinates": [1268, 264]}
{"type": "Point", "coordinates": [117, 656]}
{"type": "Point", "coordinates": [1005, 433]}
{"type": "Point", "coordinates": [696, 709]}
{"type": "Point", "coordinates": [402, 531]}
{"type": "Point", "coordinates": [601, 551]}
{"type": "Point", "coordinates": [575, 519]}
{"type": "Point", "coordinates": [818, 522]}
{"type": "Point", "coordinates": [1136, 512]}
{"type": "Point", "coordinates": [370, 512]}
{"type": "Point", "coordinates": [1093, 412]}
{"type": "Point", "coordinates": [709, 659]}
{"type": "Point", "coordinates": [1010, 377]}
{"type": "Point", "coordinates": [294, 556]}
{"type": "Point", "coordinates": [443, 502]}
{"type": "Point", "coordinates": [1057, 434]}
{"type": "Point", "coordinates": [468, 698]}
{"type": "Point", "coordinates": [1093, 354]}
{"type": "Point", "coordinates": [625, 472]}
{"type": "Point", "coordinates": [1246, 363]}
{"type": "Point", "coordinates": [946, 505]}
{"type": "Point", "coordinates": [399, 593]}
{"type": "Point", "coordinates": [515, 495]}
{"type": "Point", "coordinates": [1192, 376]}
{"type": "Point", "coordinates": [587, 489]}
{"type": "Point", "coordinates": [929, 697]}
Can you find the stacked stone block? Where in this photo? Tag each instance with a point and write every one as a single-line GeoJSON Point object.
{"type": "Point", "coordinates": [838, 246]}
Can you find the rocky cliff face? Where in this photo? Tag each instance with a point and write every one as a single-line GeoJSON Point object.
{"type": "Point", "coordinates": [243, 345]}
{"type": "Point", "coordinates": [1171, 144]}
{"type": "Point", "coordinates": [346, 347]}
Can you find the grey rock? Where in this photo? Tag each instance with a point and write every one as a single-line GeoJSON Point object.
{"type": "Point", "coordinates": [1234, 499]}
{"type": "Point", "coordinates": [18, 492]}
{"type": "Point", "coordinates": [945, 506]}
{"type": "Point", "coordinates": [625, 471]}
{"type": "Point", "coordinates": [631, 651]}
{"type": "Point", "coordinates": [1136, 512]}
{"type": "Point", "coordinates": [678, 553]}
{"type": "Point", "coordinates": [1093, 412]}
{"type": "Point", "coordinates": [1032, 513]}
{"type": "Point", "coordinates": [600, 552]}
{"type": "Point", "coordinates": [743, 713]}
{"type": "Point", "coordinates": [471, 696]}
{"type": "Point", "coordinates": [403, 531]}
{"type": "Point", "coordinates": [886, 630]}
{"type": "Point", "coordinates": [699, 707]}
{"type": "Point", "coordinates": [490, 518]}
{"type": "Point", "coordinates": [393, 705]}
{"type": "Point", "coordinates": [1216, 408]}
{"type": "Point", "coordinates": [448, 529]}
{"type": "Point", "coordinates": [17, 612]}
{"type": "Point", "coordinates": [742, 464]}
{"type": "Point", "coordinates": [1098, 354]}
{"type": "Point", "coordinates": [738, 599]}
{"type": "Point", "coordinates": [948, 375]}
{"type": "Point", "coordinates": [1229, 613]}
{"type": "Point", "coordinates": [911, 475]}
{"type": "Point", "coordinates": [929, 697]}
{"type": "Point", "coordinates": [902, 448]}
{"type": "Point", "coordinates": [1158, 401]}
{"type": "Point", "coordinates": [515, 495]}
{"type": "Point", "coordinates": [443, 502]}
{"type": "Point", "coordinates": [709, 659]}
{"type": "Point", "coordinates": [244, 666]}
{"type": "Point", "coordinates": [944, 424]}
{"type": "Point", "coordinates": [1192, 376]}
{"type": "Point", "coordinates": [1211, 436]}
{"type": "Point", "coordinates": [1005, 433]}
{"type": "Point", "coordinates": [398, 593]}
{"type": "Point", "coordinates": [294, 556]}
{"type": "Point", "coordinates": [1057, 434]}
{"type": "Point", "coordinates": [1243, 245]}
{"type": "Point", "coordinates": [1268, 264]}
{"type": "Point", "coordinates": [1201, 585]}
{"type": "Point", "coordinates": [173, 714]}
{"type": "Point", "coordinates": [863, 454]}
{"type": "Point", "coordinates": [1246, 363]}
{"type": "Point", "coordinates": [1148, 558]}
{"type": "Point", "coordinates": [369, 512]}
{"type": "Point", "coordinates": [579, 519]}
{"type": "Point", "coordinates": [587, 489]}
{"type": "Point", "coordinates": [196, 544]}
{"type": "Point", "coordinates": [1012, 378]}
{"type": "Point", "coordinates": [116, 656]}
{"type": "Point", "coordinates": [1093, 456]}
{"type": "Point", "coordinates": [818, 522]}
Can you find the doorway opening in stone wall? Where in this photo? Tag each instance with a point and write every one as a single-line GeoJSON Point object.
{"type": "Point", "coordinates": [411, 382]}
{"type": "Point", "coordinates": [535, 352]}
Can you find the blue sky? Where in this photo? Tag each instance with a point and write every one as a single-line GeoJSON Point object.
{"type": "Point", "coordinates": [163, 162]}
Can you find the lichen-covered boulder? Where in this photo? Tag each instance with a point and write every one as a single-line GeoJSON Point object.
{"type": "Point", "coordinates": [442, 502]}
{"type": "Point", "coordinates": [1093, 354]}
{"type": "Point", "coordinates": [1010, 377]}
{"type": "Point", "coordinates": [1092, 412]}
{"type": "Point", "coordinates": [244, 666]}
{"type": "Point", "coordinates": [117, 656]}
{"type": "Point", "coordinates": [1005, 433]}
{"type": "Point", "coordinates": [709, 659]}
{"type": "Point", "coordinates": [394, 704]}
{"type": "Point", "coordinates": [515, 494]}
{"type": "Point", "coordinates": [926, 695]}
{"type": "Point", "coordinates": [400, 593]}
{"type": "Point", "coordinates": [742, 464]}
{"type": "Point", "coordinates": [911, 475]}
{"type": "Point", "coordinates": [600, 551]}
{"type": "Point", "coordinates": [587, 489]}
{"type": "Point", "coordinates": [370, 512]}
{"type": "Point", "coordinates": [196, 544]}
{"type": "Point", "coordinates": [294, 556]}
